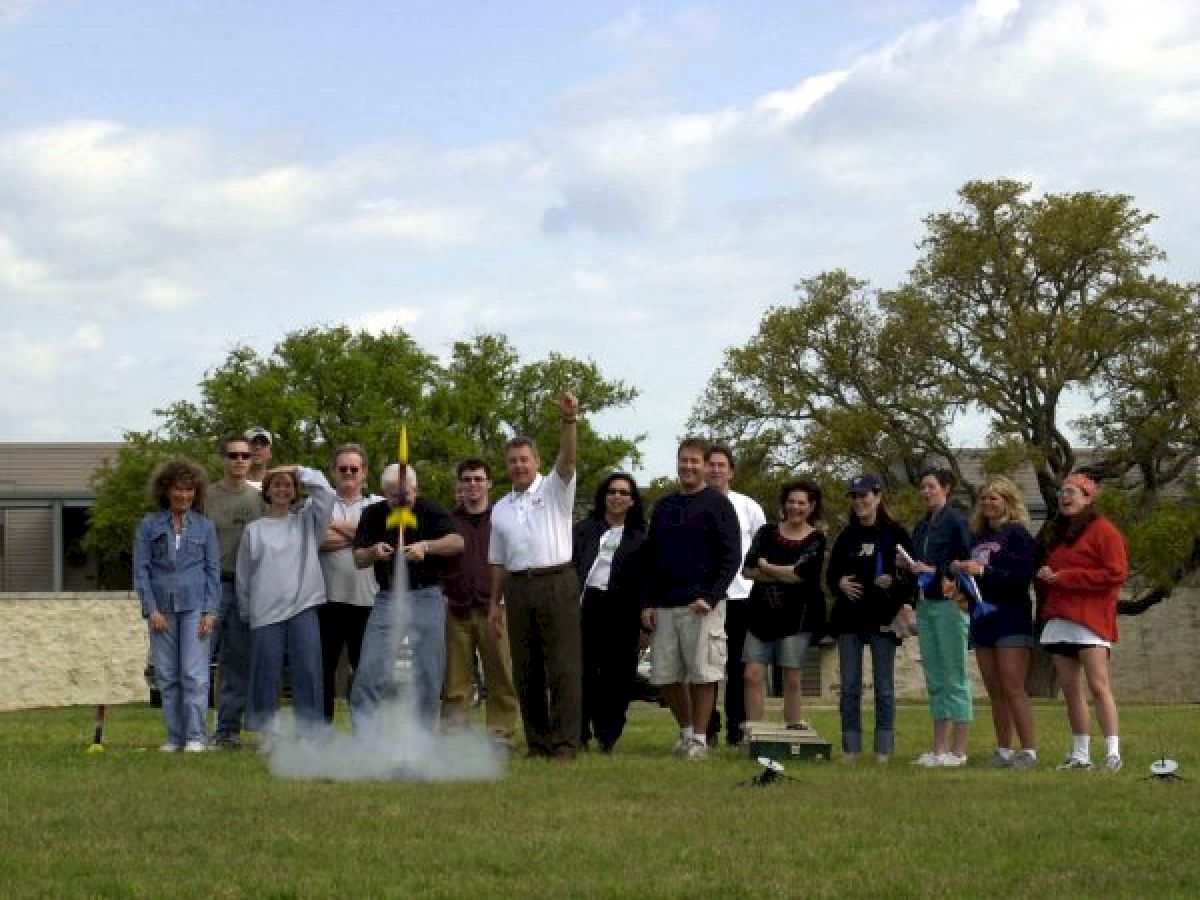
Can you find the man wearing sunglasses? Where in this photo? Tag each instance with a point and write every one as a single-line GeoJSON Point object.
{"type": "Point", "coordinates": [232, 503]}
{"type": "Point", "coordinates": [349, 590]}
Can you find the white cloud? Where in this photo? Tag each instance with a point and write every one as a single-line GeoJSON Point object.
{"type": "Point", "coordinates": [380, 321]}
{"type": "Point", "coordinates": [18, 273]}
{"type": "Point", "coordinates": [164, 294]}
{"type": "Point", "coordinates": [671, 230]}
{"type": "Point", "coordinates": [26, 359]}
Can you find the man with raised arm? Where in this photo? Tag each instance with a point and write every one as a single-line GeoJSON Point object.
{"type": "Point", "coordinates": [535, 588]}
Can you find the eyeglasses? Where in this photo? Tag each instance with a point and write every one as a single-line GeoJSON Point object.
{"type": "Point", "coordinates": [472, 479]}
{"type": "Point", "coordinates": [235, 455]}
{"type": "Point", "coordinates": [619, 492]}
{"type": "Point", "coordinates": [348, 470]}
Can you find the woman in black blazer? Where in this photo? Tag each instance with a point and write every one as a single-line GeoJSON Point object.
{"type": "Point", "coordinates": [606, 557]}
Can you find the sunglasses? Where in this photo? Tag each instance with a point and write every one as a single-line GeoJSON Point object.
{"type": "Point", "coordinates": [619, 492]}
{"type": "Point", "coordinates": [348, 470]}
{"type": "Point", "coordinates": [473, 479]}
{"type": "Point", "coordinates": [236, 455]}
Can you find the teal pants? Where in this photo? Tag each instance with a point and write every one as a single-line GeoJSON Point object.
{"type": "Point", "coordinates": [943, 638]}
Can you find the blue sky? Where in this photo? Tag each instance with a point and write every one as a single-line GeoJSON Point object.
{"type": "Point", "coordinates": [632, 183]}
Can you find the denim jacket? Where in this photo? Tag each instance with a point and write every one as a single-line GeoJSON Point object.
{"type": "Point", "coordinates": [940, 539]}
{"type": "Point", "coordinates": [177, 580]}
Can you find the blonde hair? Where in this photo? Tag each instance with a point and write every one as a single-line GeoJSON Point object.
{"type": "Point", "coordinates": [1014, 505]}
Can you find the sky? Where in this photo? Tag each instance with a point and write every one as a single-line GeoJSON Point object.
{"type": "Point", "coordinates": [634, 184]}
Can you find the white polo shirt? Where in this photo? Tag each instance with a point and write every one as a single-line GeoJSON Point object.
{"type": "Point", "coordinates": [750, 518]}
{"type": "Point", "coordinates": [532, 529]}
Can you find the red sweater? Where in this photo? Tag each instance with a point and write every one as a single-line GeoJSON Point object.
{"type": "Point", "coordinates": [1090, 574]}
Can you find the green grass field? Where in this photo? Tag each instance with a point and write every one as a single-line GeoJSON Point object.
{"type": "Point", "coordinates": [134, 822]}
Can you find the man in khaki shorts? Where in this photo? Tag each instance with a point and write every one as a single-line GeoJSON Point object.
{"type": "Point", "coordinates": [693, 551]}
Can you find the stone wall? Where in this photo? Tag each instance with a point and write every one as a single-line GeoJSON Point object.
{"type": "Point", "coordinates": [89, 648]}
{"type": "Point", "coordinates": [1156, 660]}
{"type": "Point", "coordinates": [68, 649]}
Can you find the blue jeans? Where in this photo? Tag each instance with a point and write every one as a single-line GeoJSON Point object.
{"type": "Point", "coordinates": [425, 626]}
{"type": "Point", "coordinates": [300, 637]}
{"type": "Point", "coordinates": [883, 665]}
{"type": "Point", "coordinates": [181, 670]}
{"type": "Point", "coordinates": [233, 657]}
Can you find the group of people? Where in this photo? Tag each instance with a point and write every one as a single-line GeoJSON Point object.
{"type": "Point", "coordinates": [557, 610]}
{"type": "Point", "coordinates": [959, 587]}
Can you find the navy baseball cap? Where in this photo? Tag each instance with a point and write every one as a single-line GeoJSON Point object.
{"type": "Point", "coordinates": [862, 484]}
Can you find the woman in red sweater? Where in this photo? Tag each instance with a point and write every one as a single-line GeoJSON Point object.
{"type": "Point", "coordinates": [1083, 566]}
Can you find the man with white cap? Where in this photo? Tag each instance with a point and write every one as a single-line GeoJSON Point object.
{"type": "Point", "coordinates": [260, 445]}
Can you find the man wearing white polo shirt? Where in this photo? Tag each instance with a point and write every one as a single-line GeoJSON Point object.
{"type": "Point", "coordinates": [535, 587]}
{"type": "Point", "coordinates": [718, 472]}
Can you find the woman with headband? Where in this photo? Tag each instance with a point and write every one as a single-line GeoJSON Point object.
{"type": "Point", "coordinates": [1082, 565]}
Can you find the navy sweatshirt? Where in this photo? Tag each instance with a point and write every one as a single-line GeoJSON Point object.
{"type": "Point", "coordinates": [1008, 557]}
{"type": "Point", "coordinates": [693, 549]}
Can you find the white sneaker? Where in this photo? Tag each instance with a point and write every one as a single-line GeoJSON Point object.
{"type": "Point", "coordinates": [1074, 763]}
{"type": "Point", "coordinates": [195, 747]}
{"type": "Point", "coordinates": [928, 759]}
{"type": "Point", "coordinates": [952, 760]}
{"type": "Point", "coordinates": [168, 747]}
{"type": "Point", "coordinates": [697, 750]}
{"type": "Point", "coordinates": [1113, 764]}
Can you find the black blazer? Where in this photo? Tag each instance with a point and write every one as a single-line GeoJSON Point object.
{"type": "Point", "coordinates": [627, 580]}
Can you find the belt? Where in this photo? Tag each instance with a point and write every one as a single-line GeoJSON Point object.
{"type": "Point", "coordinates": [544, 570]}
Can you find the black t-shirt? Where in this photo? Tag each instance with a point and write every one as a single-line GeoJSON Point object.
{"type": "Point", "coordinates": [779, 609]}
{"type": "Point", "coordinates": [433, 522]}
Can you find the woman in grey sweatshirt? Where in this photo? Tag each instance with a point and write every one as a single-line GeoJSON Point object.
{"type": "Point", "coordinates": [279, 587]}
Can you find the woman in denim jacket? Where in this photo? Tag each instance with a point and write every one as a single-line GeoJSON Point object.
{"type": "Point", "coordinates": [939, 539]}
{"type": "Point", "coordinates": [177, 575]}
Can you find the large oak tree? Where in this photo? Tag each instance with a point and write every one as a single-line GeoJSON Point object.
{"type": "Point", "coordinates": [321, 387]}
{"type": "Point", "coordinates": [1016, 304]}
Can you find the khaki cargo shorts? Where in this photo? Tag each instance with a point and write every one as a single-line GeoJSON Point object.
{"type": "Point", "coordinates": [688, 648]}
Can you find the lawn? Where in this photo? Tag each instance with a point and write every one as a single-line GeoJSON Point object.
{"type": "Point", "coordinates": [134, 822]}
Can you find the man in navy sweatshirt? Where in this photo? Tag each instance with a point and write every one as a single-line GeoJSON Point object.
{"type": "Point", "coordinates": [692, 553]}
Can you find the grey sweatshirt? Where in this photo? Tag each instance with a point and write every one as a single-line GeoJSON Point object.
{"type": "Point", "coordinates": [278, 574]}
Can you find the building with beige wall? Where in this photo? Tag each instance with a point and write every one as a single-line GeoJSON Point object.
{"type": "Point", "coordinates": [45, 494]}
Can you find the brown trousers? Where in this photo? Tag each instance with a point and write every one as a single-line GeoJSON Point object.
{"type": "Point", "coordinates": [545, 637]}
{"type": "Point", "coordinates": [465, 636]}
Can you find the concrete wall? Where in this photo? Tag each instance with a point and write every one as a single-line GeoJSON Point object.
{"type": "Point", "coordinates": [89, 648]}
{"type": "Point", "coordinates": [68, 649]}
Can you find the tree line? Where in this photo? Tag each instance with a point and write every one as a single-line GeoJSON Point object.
{"type": "Point", "coordinates": [1015, 304]}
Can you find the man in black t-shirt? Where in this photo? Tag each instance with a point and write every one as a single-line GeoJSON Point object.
{"type": "Point", "coordinates": [419, 611]}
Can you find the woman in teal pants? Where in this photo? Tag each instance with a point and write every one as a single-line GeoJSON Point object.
{"type": "Point", "coordinates": [940, 538]}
